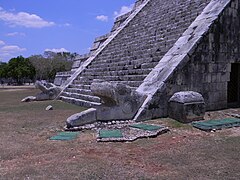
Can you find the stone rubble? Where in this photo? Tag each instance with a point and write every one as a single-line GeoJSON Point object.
{"type": "Point", "coordinates": [49, 108]}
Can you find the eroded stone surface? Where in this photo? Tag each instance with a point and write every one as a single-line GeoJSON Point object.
{"type": "Point", "coordinates": [49, 108]}
{"type": "Point", "coordinates": [187, 97]}
{"type": "Point", "coordinates": [119, 101]}
{"type": "Point", "coordinates": [198, 54]}
{"type": "Point", "coordinates": [82, 118]}
{"type": "Point", "coordinates": [49, 92]}
{"type": "Point", "coordinates": [29, 98]}
{"type": "Point", "coordinates": [187, 106]}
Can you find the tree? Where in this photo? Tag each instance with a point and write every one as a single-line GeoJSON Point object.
{"type": "Point", "coordinates": [41, 66]}
{"type": "Point", "coordinates": [20, 69]}
{"type": "Point", "coordinates": [3, 72]}
{"type": "Point", "coordinates": [48, 64]}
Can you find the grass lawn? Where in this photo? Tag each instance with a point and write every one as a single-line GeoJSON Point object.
{"type": "Point", "coordinates": [183, 153]}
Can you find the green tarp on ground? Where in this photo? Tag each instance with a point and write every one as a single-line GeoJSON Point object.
{"type": "Point", "coordinates": [110, 134]}
{"type": "Point", "coordinates": [146, 127]}
{"type": "Point", "coordinates": [217, 124]}
{"type": "Point", "coordinates": [65, 136]}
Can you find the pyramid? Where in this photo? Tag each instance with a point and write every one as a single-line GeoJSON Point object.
{"type": "Point", "coordinates": [159, 48]}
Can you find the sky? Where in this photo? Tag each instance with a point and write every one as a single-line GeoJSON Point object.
{"type": "Point", "coordinates": [30, 27]}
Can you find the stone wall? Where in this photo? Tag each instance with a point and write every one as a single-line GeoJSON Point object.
{"type": "Point", "coordinates": [208, 68]}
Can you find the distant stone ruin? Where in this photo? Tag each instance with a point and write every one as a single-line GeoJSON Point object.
{"type": "Point", "coordinates": [156, 50]}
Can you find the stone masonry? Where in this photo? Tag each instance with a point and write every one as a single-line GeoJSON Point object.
{"type": "Point", "coordinates": [160, 48]}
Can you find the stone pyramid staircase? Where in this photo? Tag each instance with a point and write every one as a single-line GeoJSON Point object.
{"type": "Point", "coordinates": [144, 49]}
{"type": "Point", "coordinates": [132, 70]}
{"type": "Point", "coordinates": [131, 73]}
{"type": "Point", "coordinates": [79, 92]}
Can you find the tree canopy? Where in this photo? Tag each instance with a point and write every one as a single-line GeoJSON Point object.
{"type": "Point", "coordinates": [37, 67]}
{"type": "Point", "coordinates": [48, 64]}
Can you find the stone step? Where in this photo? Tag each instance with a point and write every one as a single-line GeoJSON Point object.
{"type": "Point", "coordinates": [134, 84]}
{"type": "Point", "coordinates": [79, 82]}
{"type": "Point", "coordinates": [149, 65]}
{"type": "Point", "coordinates": [82, 97]}
{"type": "Point", "coordinates": [125, 78]}
{"type": "Point", "coordinates": [125, 60]}
{"type": "Point", "coordinates": [92, 73]}
{"type": "Point", "coordinates": [88, 81]}
{"type": "Point", "coordinates": [80, 86]}
{"type": "Point", "coordinates": [87, 85]}
{"type": "Point", "coordinates": [112, 68]}
{"type": "Point", "coordinates": [79, 102]}
{"type": "Point", "coordinates": [110, 63]}
{"type": "Point", "coordinates": [115, 67]}
{"type": "Point", "coordinates": [84, 78]}
{"type": "Point", "coordinates": [79, 91]}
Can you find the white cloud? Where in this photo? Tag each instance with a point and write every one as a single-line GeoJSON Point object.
{"type": "Point", "coordinates": [102, 18]}
{"type": "Point", "coordinates": [11, 49]}
{"type": "Point", "coordinates": [15, 34]}
{"type": "Point", "coordinates": [2, 43]}
{"type": "Point", "coordinates": [67, 24]}
{"type": "Point", "coordinates": [57, 50]}
{"type": "Point", "coordinates": [64, 25]}
{"type": "Point", "coordinates": [2, 55]}
{"type": "Point", "coordinates": [24, 19]}
{"type": "Point", "coordinates": [123, 10]}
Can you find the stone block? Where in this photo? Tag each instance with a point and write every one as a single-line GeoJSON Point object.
{"type": "Point", "coordinates": [186, 106]}
{"type": "Point", "coordinates": [82, 118]}
{"type": "Point", "coordinates": [29, 98]}
{"type": "Point", "coordinates": [49, 108]}
{"type": "Point", "coordinates": [58, 81]}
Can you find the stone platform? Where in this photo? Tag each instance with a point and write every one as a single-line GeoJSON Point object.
{"type": "Point", "coordinates": [121, 131]}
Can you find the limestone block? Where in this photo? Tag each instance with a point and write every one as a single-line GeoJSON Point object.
{"type": "Point", "coordinates": [29, 98]}
{"type": "Point", "coordinates": [58, 81]}
{"type": "Point", "coordinates": [186, 106]}
{"type": "Point", "coordinates": [49, 92]}
{"type": "Point", "coordinates": [49, 108]}
{"type": "Point", "coordinates": [42, 96]}
{"type": "Point", "coordinates": [82, 118]}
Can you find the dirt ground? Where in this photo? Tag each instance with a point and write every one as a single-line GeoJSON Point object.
{"type": "Point", "coordinates": [183, 153]}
